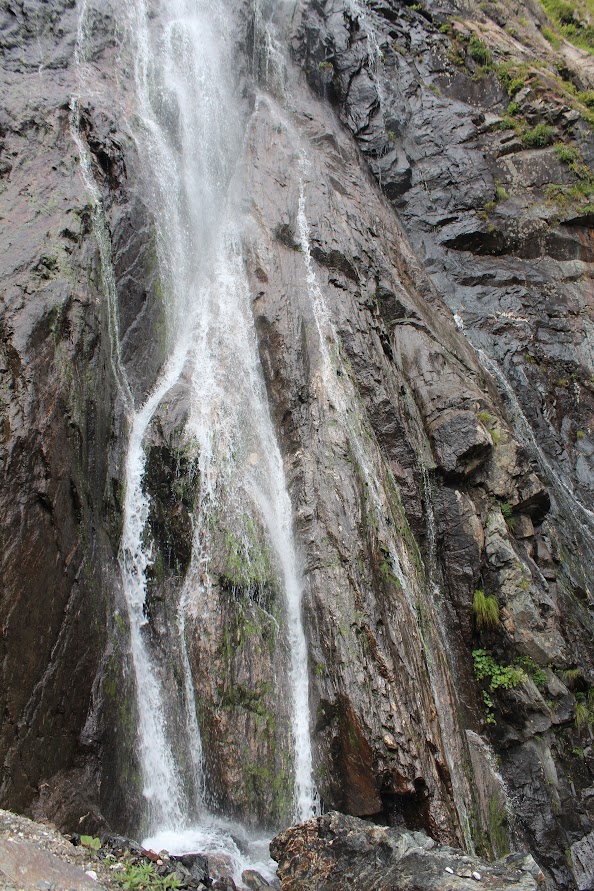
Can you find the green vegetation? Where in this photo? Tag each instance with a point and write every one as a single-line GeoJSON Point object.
{"type": "Point", "coordinates": [567, 153]}
{"type": "Point", "coordinates": [584, 710]}
{"type": "Point", "coordinates": [485, 417]}
{"type": "Point", "coordinates": [513, 76]}
{"type": "Point", "coordinates": [485, 609]}
{"type": "Point", "coordinates": [247, 566]}
{"type": "Point", "coordinates": [534, 671]}
{"type": "Point", "coordinates": [479, 52]}
{"type": "Point", "coordinates": [504, 677]}
{"type": "Point", "coordinates": [539, 137]}
{"type": "Point", "coordinates": [90, 841]}
{"type": "Point", "coordinates": [498, 833]}
{"type": "Point", "coordinates": [553, 38]}
{"type": "Point", "coordinates": [145, 877]}
{"type": "Point", "coordinates": [507, 512]}
{"type": "Point", "coordinates": [497, 677]}
{"type": "Point", "coordinates": [571, 676]}
{"type": "Point", "coordinates": [572, 20]}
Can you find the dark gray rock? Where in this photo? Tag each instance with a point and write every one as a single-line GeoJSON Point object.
{"type": "Point", "coordinates": [338, 853]}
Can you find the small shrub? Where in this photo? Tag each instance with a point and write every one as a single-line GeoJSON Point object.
{"type": "Point", "coordinates": [584, 709]}
{"type": "Point", "coordinates": [539, 137]}
{"type": "Point", "coordinates": [489, 206]}
{"type": "Point", "coordinates": [506, 510]}
{"type": "Point", "coordinates": [515, 85]}
{"type": "Point", "coordinates": [534, 671]}
{"type": "Point", "coordinates": [567, 153]}
{"type": "Point", "coordinates": [582, 715]}
{"type": "Point", "coordinates": [485, 609]}
{"type": "Point", "coordinates": [479, 52]}
{"type": "Point", "coordinates": [500, 193]}
{"type": "Point", "coordinates": [586, 97]}
{"type": "Point", "coordinates": [513, 108]}
{"type": "Point", "coordinates": [504, 677]}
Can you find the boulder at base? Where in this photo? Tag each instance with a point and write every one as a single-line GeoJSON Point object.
{"type": "Point", "coordinates": [336, 853]}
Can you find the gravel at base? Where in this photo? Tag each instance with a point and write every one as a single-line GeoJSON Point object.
{"type": "Point", "coordinates": [47, 839]}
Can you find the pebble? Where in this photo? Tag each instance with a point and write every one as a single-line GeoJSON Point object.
{"type": "Point", "coordinates": [450, 870]}
{"type": "Point", "coordinates": [91, 874]}
{"type": "Point", "coordinates": [477, 876]}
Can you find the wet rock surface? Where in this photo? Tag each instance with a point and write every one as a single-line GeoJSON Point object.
{"type": "Point", "coordinates": [336, 853]}
{"type": "Point", "coordinates": [381, 173]}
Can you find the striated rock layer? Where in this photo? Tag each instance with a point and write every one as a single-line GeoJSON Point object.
{"type": "Point", "coordinates": [425, 463]}
{"type": "Point", "coordinates": [337, 853]}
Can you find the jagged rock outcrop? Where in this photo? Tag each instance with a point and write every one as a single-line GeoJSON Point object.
{"type": "Point", "coordinates": [382, 195]}
{"type": "Point", "coordinates": [337, 853]}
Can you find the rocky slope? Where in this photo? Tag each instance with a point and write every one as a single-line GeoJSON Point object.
{"type": "Point", "coordinates": [416, 188]}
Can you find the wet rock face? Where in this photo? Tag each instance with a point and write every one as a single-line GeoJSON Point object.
{"type": "Point", "coordinates": [61, 430]}
{"type": "Point", "coordinates": [339, 853]}
{"type": "Point", "coordinates": [413, 483]}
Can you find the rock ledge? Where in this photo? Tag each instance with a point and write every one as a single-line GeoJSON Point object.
{"type": "Point", "coordinates": [336, 853]}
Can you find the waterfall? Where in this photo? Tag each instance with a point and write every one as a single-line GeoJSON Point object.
{"type": "Point", "coordinates": [189, 131]}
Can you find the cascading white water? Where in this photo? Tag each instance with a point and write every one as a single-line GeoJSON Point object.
{"type": "Point", "coordinates": [191, 137]}
{"type": "Point", "coordinates": [189, 133]}
{"type": "Point", "coordinates": [240, 460]}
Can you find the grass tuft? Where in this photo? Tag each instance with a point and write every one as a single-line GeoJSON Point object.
{"type": "Point", "coordinates": [485, 609]}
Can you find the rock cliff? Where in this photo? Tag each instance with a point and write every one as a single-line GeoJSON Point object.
{"type": "Point", "coordinates": [416, 224]}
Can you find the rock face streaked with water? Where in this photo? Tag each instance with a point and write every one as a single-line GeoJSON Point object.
{"type": "Point", "coordinates": [296, 357]}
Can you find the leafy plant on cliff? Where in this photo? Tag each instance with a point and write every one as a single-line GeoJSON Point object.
{"type": "Point", "coordinates": [479, 52]}
{"type": "Point", "coordinates": [539, 137]}
{"type": "Point", "coordinates": [89, 841]}
{"type": "Point", "coordinates": [144, 876]}
{"type": "Point", "coordinates": [497, 677]}
{"type": "Point", "coordinates": [485, 609]}
{"type": "Point", "coordinates": [534, 671]}
{"type": "Point", "coordinates": [507, 511]}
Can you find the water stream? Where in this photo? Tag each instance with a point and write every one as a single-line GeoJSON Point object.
{"type": "Point", "coordinates": [189, 129]}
